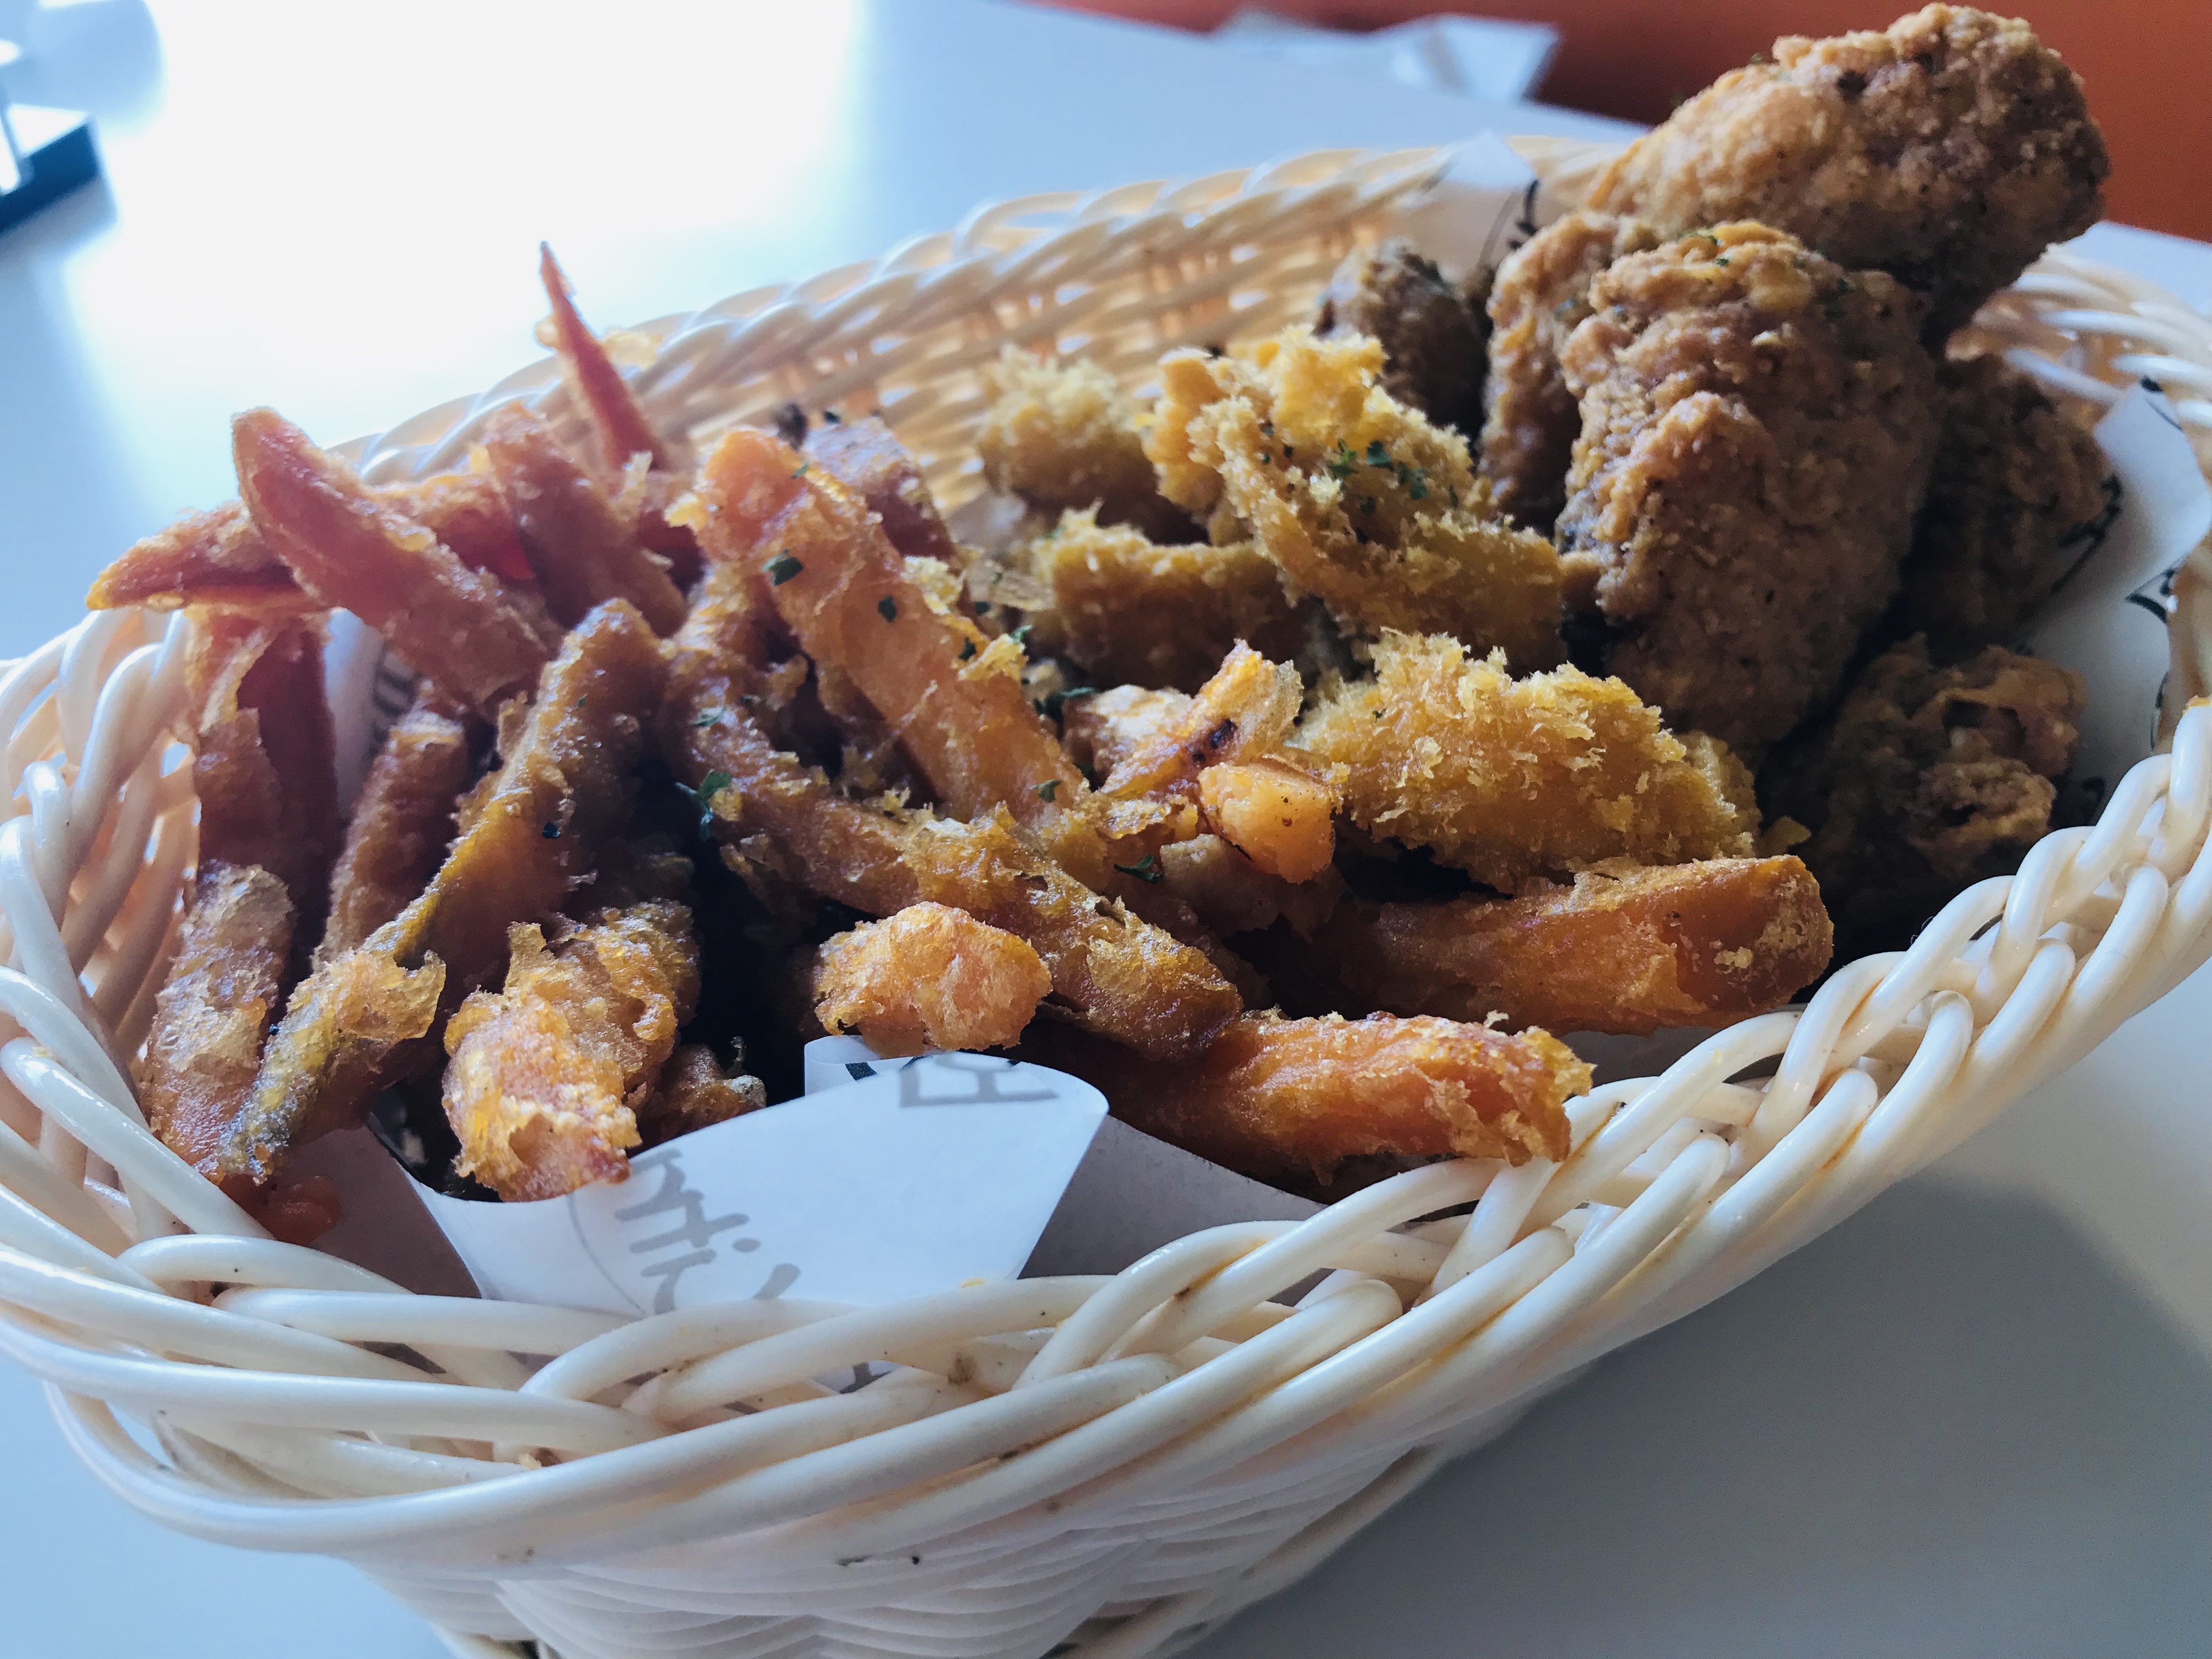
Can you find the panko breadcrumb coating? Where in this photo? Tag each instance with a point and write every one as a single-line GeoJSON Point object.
{"type": "Point", "coordinates": [1509, 778]}
{"type": "Point", "coordinates": [1925, 780]}
{"type": "Point", "coordinates": [547, 1073]}
{"type": "Point", "coordinates": [1757, 428]}
{"type": "Point", "coordinates": [1530, 420]}
{"type": "Point", "coordinates": [1361, 502]}
{"type": "Point", "coordinates": [928, 977]}
{"type": "Point", "coordinates": [2014, 480]}
{"type": "Point", "coordinates": [1949, 150]}
{"type": "Point", "coordinates": [1432, 337]}
{"type": "Point", "coordinates": [1064, 437]}
{"type": "Point", "coordinates": [1126, 608]}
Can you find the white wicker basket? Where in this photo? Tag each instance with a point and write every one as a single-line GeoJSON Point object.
{"type": "Point", "coordinates": [1095, 1466]}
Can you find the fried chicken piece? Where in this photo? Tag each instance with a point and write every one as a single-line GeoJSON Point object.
{"type": "Point", "coordinates": [581, 550]}
{"type": "Point", "coordinates": [2013, 485]}
{"type": "Point", "coordinates": [402, 822]}
{"type": "Point", "coordinates": [695, 1092]}
{"type": "Point", "coordinates": [1626, 949]}
{"type": "Point", "coordinates": [364, 1019]}
{"type": "Point", "coordinates": [1949, 151]}
{"type": "Point", "coordinates": [547, 1074]}
{"type": "Point", "coordinates": [1757, 427]}
{"type": "Point", "coordinates": [1101, 730]}
{"type": "Point", "coordinates": [219, 557]}
{"type": "Point", "coordinates": [1507, 779]}
{"type": "Point", "coordinates": [928, 977]}
{"type": "Point", "coordinates": [1357, 499]}
{"type": "Point", "coordinates": [1064, 437]}
{"type": "Point", "coordinates": [1530, 420]}
{"type": "Point", "coordinates": [865, 458]}
{"type": "Point", "coordinates": [471, 639]}
{"type": "Point", "coordinates": [1276, 1099]}
{"type": "Point", "coordinates": [1125, 608]}
{"type": "Point", "coordinates": [1925, 780]}
{"type": "Point", "coordinates": [1433, 339]}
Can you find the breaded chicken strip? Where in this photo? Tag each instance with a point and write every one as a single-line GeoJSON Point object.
{"type": "Point", "coordinates": [1949, 151]}
{"type": "Point", "coordinates": [1432, 337]}
{"type": "Point", "coordinates": [2014, 481]}
{"type": "Point", "coordinates": [929, 976]}
{"type": "Point", "coordinates": [1927, 778]}
{"type": "Point", "coordinates": [1064, 437]}
{"type": "Point", "coordinates": [1626, 949]}
{"type": "Point", "coordinates": [1357, 498]}
{"type": "Point", "coordinates": [1530, 420]}
{"type": "Point", "coordinates": [1509, 779]}
{"type": "Point", "coordinates": [1128, 610]}
{"type": "Point", "coordinates": [1757, 428]}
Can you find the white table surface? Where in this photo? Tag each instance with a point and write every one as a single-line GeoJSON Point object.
{"type": "Point", "coordinates": [1975, 1418]}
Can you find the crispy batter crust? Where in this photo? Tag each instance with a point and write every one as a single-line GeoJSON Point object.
{"type": "Point", "coordinates": [1359, 500]}
{"type": "Point", "coordinates": [1102, 731]}
{"type": "Point", "coordinates": [455, 624]}
{"type": "Point", "coordinates": [867, 460]}
{"type": "Point", "coordinates": [1513, 778]}
{"type": "Point", "coordinates": [1949, 150]}
{"type": "Point", "coordinates": [1126, 609]}
{"type": "Point", "coordinates": [697, 1093]}
{"type": "Point", "coordinates": [1065, 437]}
{"type": "Point", "coordinates": [1232, 895]}
{"type": "Point", "coordinates": [1277, 814]}
{"type": "Point", "coordinates": [564, 784]}
{"type": "Point", "coordinates": [402, 822]}
{"type": "Point", "coordinates": [1530, 420]}
{"type": "Point", "coordinates": [582, 552]}
{"type": "Point", "coordinates": [1432, 337]}
{"type": "Point", "coordinates": [1245, 711]}
{"type": "Point", "coordinates": [1277, 1097]}
{"type": "Point", "coordinates": [1925, 780]}
{"type": "Point", "coordinates": [1757, 428]}
{"type": "Point", "coordinates": [928, 977]}
{"type": "Point", "coordinates": [547, 1073]}
{"type": "Point", "coordinates": [1629, 949]}
{"type": "Point", "coordinates": [2013, 479]}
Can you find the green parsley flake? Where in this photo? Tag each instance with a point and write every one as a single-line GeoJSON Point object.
{"type": "Point", "coordinates": [967, 649]}
{"type": "Point", "coordinates": [802, 465]}
{"type": "Point", "coordinates": [1044, 791]}
{"type": "Point", "coordinates": [1344, 462]}
{"type": "Point", "coordinates": [1146, 868]}
{"type": "Point", "coordinates": [712, 717]}
{"type": "Point", "coordinates": [703, 797]}
{"type": "Point", "coordinates": [781, 568]}
{"type": "Point", "coordinates": [887, 608]}
{"type": "Point", "coordinates": [1377, 455]}
{"type": "Point", "coordinates": [1021, 635]}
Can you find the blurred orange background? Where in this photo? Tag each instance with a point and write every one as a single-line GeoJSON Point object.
{"type": "Point", "coordinates": [2147, 65]}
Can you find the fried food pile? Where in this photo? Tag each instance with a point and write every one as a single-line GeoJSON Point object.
{"type": "Point", "coordinates": [1380, 701]}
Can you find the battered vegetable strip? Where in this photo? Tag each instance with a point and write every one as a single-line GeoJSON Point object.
{"type": "Point", "coordinates": [219, 557]}
{"type": "Point", "coordinates": [1129, 609]}
{"type": "Point", "coordinates": [598, 385]}
{"type": "Point", "coordinates": [928, 977]}
{"type": "Point", "coordinates": [582, 552]}
{"type": "Point", "coordinates": [1065, 436]}
{"type": "Point", "coordinates": [454, 625]}
{"type": "Point", "coordinates": [563, 784]}
{"type": "Point", "coordinates": [547, 1074]}
{"type": "Point", "coordinates": [1628, 950]}
{"type": "Point", "coordinates": [1359, 500]}
{"type": "Point", "coordinates": [402, 822]}
{"type": "Point", "coordinates": [1245, 711]}
{"type": "Point", "coordinates": [1292, 1097]}
{"type": "Point", "coordinates": [865, 458]}
{"type": "Point", "coordinates": [697, 1093]}
{"type": "Point", "coordinates": [1511, 778]}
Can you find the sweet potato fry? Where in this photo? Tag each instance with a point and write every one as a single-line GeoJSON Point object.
{"type": "Point", "coordinates": [1511, 778]}
{"type": "Point", "coordinates": [219, 557]}
{"type": "Point", "coordinates": [1277, 1097]}
{"type": "Point", "coordinates": [928, 977]}
{"type": "Point", "coordinates": [401, 823]}
{"type": "Point", "coordinates": [1245, 711]}
{"type": "Point", "coordinates": [456, 625]}
{"type": "Point", "coordinates": [1230, 894]}
{"type": "Point", "coordinates": [354, 1026]}
{"type": "Point", "coordinates": [865, 458]}
{"type": "Point", "coordinates": [581, 550]}
{"type": "Point", "coordinates": [1101, 730]}
{"type": "Point", "coordinates": [1630, 951]}
{"type": "Point", "coordinates": [546, 1074]}
{"type": "Point", "coordinates": [598, 385]}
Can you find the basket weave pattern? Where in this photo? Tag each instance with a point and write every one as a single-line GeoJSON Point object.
{"type": "Point", "coordinates": [1111, 1463]}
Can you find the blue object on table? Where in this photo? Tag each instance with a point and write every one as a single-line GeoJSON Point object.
{"type": "Point", "coordinates": [49, 152]}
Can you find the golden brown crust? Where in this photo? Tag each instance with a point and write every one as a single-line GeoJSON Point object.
{"type": "Point", "coordinates": [1064, 437]}
{"type": "Point", "coordinates": [1949, 150]}
{"type": "Point", "coordinates": [867, 460]}
{"type": "Point", "coordinates": [1530, 420]}
{"type": "Point", "coordinates": [1627, 950]}
{"type": "Point", "coordinates": [1431, 336]}
{"type": "Point", "coordinates": [582, 552]}
{"type": "Point", "coordinates": [1757, 427]}
{"type": "Point", "coordinates": [1101, 730]}
{"type": "Point", "coordinates": [1509, 779]}
{"type": "Point", "coordinates": [1359, 500]}
{"type": "Point", "coordinates": [454, 625]}
{"type": "Point", "coordinates": [929, 976]}
{"type": "Point", "coordinates": [2014, 481]}
{"type": "Point", "coordinates": [695, 1092]}
{"type": "Point", "coordinates": [402, 822]}
{"type": "Point", "coordinates": [1125, 608]}
{"type": "Point", "coordinates": [1277, 814]}
{"type": "Point", "coordinates": [1279, 1097]}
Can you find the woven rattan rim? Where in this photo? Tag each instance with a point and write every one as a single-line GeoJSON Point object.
{"type": "Point", "coordinates": [1113, 1462]}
